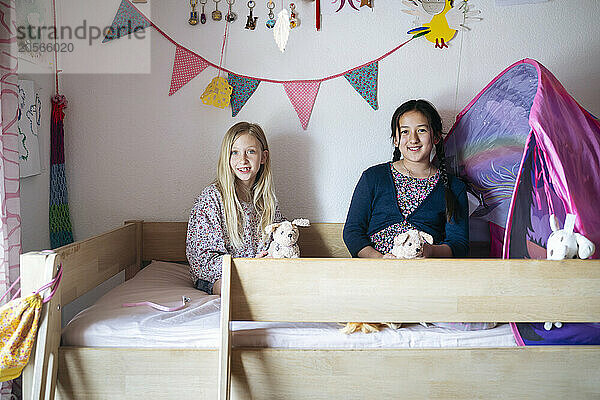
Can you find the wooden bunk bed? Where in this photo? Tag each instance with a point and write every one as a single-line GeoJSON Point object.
{"type": "Point", "coordinates": [338, 289]}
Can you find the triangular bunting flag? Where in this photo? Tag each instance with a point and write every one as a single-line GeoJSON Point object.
{"type": "Point", "coordinates": [302, 94]}
{"type": "Point", "coordinates": [364, 80]}
{"type": "Point", "coordinates": [185, 68]}
{"type": "Point", "coordinates": [243, 88]}
{"type": "Point", "coordinates": [127, 21]}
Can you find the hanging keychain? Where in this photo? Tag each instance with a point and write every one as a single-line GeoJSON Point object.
{"type": "Point", "coordinates": [217, 15]}
{"type": "Point", "coordinates": [193, 14]}
{"type": "Point", "coordinates": [231, 16]}
{"type": "Point", "coordinates": [251, 21]}
{"type": "Point", "coordinates": [203, 15]}
{"type": "Point", "coordinates": [271, 21]}
{"type": "Point", "coordinates": [294, 21]}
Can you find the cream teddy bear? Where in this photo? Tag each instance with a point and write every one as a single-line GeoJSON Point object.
{"type": "Point", "coordinates": [410, 244]}
{"type": "Point", "coordinates": [285, 236]}
{"type": "Point", "coordinates": [564, 244]}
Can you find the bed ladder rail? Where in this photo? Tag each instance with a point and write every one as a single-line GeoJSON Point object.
{"type": "Point", "coordinates": [39, 376]}
{"type": "Point", "coordinates": [225, 347]}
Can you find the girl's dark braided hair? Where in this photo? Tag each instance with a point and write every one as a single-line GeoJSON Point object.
{"type": "Point", "coordinates": [435, 123]}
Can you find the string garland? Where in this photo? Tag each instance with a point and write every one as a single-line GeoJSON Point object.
{"type": "Point", "coordinates": [220, 68]}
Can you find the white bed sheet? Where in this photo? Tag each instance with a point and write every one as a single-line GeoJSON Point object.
{"type": "Point", "coordinates": [108, 324]}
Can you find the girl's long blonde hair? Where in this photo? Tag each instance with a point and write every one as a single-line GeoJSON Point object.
{"type": "Point", "coordinates": [263, 193]}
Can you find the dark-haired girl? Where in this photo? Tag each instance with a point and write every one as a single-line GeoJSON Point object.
{"type": "Point", "coordinates": [410, 192]}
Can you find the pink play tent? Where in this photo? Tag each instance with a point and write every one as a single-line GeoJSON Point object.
{"type": "Point", "coordinates": [530, 150]}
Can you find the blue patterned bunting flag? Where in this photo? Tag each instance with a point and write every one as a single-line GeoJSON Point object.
{"type": "Point", "coordinates": [243, 88]}
{"type": "Point", "coordinates": [127, 21]}
{"type": "Point", "coordinates": [364, 80]}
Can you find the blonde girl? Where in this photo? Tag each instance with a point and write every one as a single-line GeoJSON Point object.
{"type": "Point", "coordinates": [231, 214]}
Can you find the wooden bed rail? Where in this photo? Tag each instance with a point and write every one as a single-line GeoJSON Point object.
{"type": "Point", "coordinates": [443, 290]}
{"type": "Point", "coordinates": [88, 263]}
{"type": "Point", "coordinates": [165, 241]}
{"type": "Point", "coordinates": [440, 290]}
{"type": "Point", "coordinates": [39, 376]}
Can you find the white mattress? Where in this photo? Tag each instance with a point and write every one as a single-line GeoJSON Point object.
{"type": "Point", "coordinates": [108, 324]}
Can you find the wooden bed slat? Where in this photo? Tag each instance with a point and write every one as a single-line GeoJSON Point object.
{"type": "Point", "coordinates": [415, 290]}
{"type": "Point", "coordinates": [556, 373]}
{"type": "Point", "coordinates": [495, 373]}
{"type": "Point", "coordinates": [113, 373]}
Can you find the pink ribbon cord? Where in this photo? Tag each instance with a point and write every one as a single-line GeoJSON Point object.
{"type": "Point", "coordinates": [53, 283]}
{"type": "Point", "coordinates": [11, 288]}
{"type": "Point", "coordinates": [184, 301]}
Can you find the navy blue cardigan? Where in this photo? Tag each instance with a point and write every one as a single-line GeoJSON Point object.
{"type": "Point", "coordinates": [374, 207]}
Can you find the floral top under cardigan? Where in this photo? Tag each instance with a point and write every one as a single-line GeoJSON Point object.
{"type": "Point", "coordinates": [410, 194]}
{"type": "Point", "coordinates": [207, 238]}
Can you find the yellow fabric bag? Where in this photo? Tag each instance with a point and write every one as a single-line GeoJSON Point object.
{"type": "Point", "coordinates": [18, 326]}
{"type": "Point", "coordinates": [19, 320]}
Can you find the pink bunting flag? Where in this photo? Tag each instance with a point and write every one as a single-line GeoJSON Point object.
{"type": "Point", "coordinates": [302, 94]}
{"type": "Point", "coordinates": [185, 68]}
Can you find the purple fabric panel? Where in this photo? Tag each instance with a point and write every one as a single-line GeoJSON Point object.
{"type": "Point", "coordinates": [486, 143]}
{"type": "Point", "coordinates": [569, 138]}
{"type": "Point", "coordinates": [534, 334]}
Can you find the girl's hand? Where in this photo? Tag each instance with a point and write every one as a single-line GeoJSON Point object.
{"type": "Point", "coordinates": [389, 256]}
{"type": "Point", "coordinates": [427, 250]}
{"type": "Point", "coordinates": [262, 254]}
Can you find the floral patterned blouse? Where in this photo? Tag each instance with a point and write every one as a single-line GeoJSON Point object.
{"type": "Point", "coordinates": [207, 238]}
{"type": "Point", "coordinates": [410, 193]}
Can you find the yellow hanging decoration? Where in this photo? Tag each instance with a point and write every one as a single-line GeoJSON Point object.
{"type": "Point", "coordinates": [217, 93]}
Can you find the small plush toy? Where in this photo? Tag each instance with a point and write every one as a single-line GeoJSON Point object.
{"type": "Point", "coordinates": [366, 327]}
{"type": "Point", "coordinates": [564, 243]}
{"type": "Point", "coordinates": [285, 236]}
{"type": "Point", "coordinates": [410, 244]}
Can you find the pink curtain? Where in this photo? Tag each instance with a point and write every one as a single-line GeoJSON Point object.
{"type": "Point", "coordinates": [10, 207]}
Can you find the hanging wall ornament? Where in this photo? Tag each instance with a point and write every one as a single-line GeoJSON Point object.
{"type": "Point", "coordinates": [203, 14]}
{"type": "Point", "coordinates": [59, 216]}
{"type": "Point", "coordinates": [281, 32]}
{"type": "Point", "coordinates": [193, 14]}
{"type": "Point", "coordinates": [217, 15]}
{"type": "Point", "coordinates": [271, 21]}
{"type": "Point", "coordinates": [251, 20]}
{"type": "Point", "coordinates": [217, 93]}
{"type": "Point", "coordinates": [438, 20]}
{"type": "Point", "coordinates": [294, 21]}
{"type": "Point", "coordinates": [231, 16]}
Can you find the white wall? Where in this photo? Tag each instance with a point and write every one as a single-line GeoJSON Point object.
{"type": "Point", "coordinates": [134, 152]}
